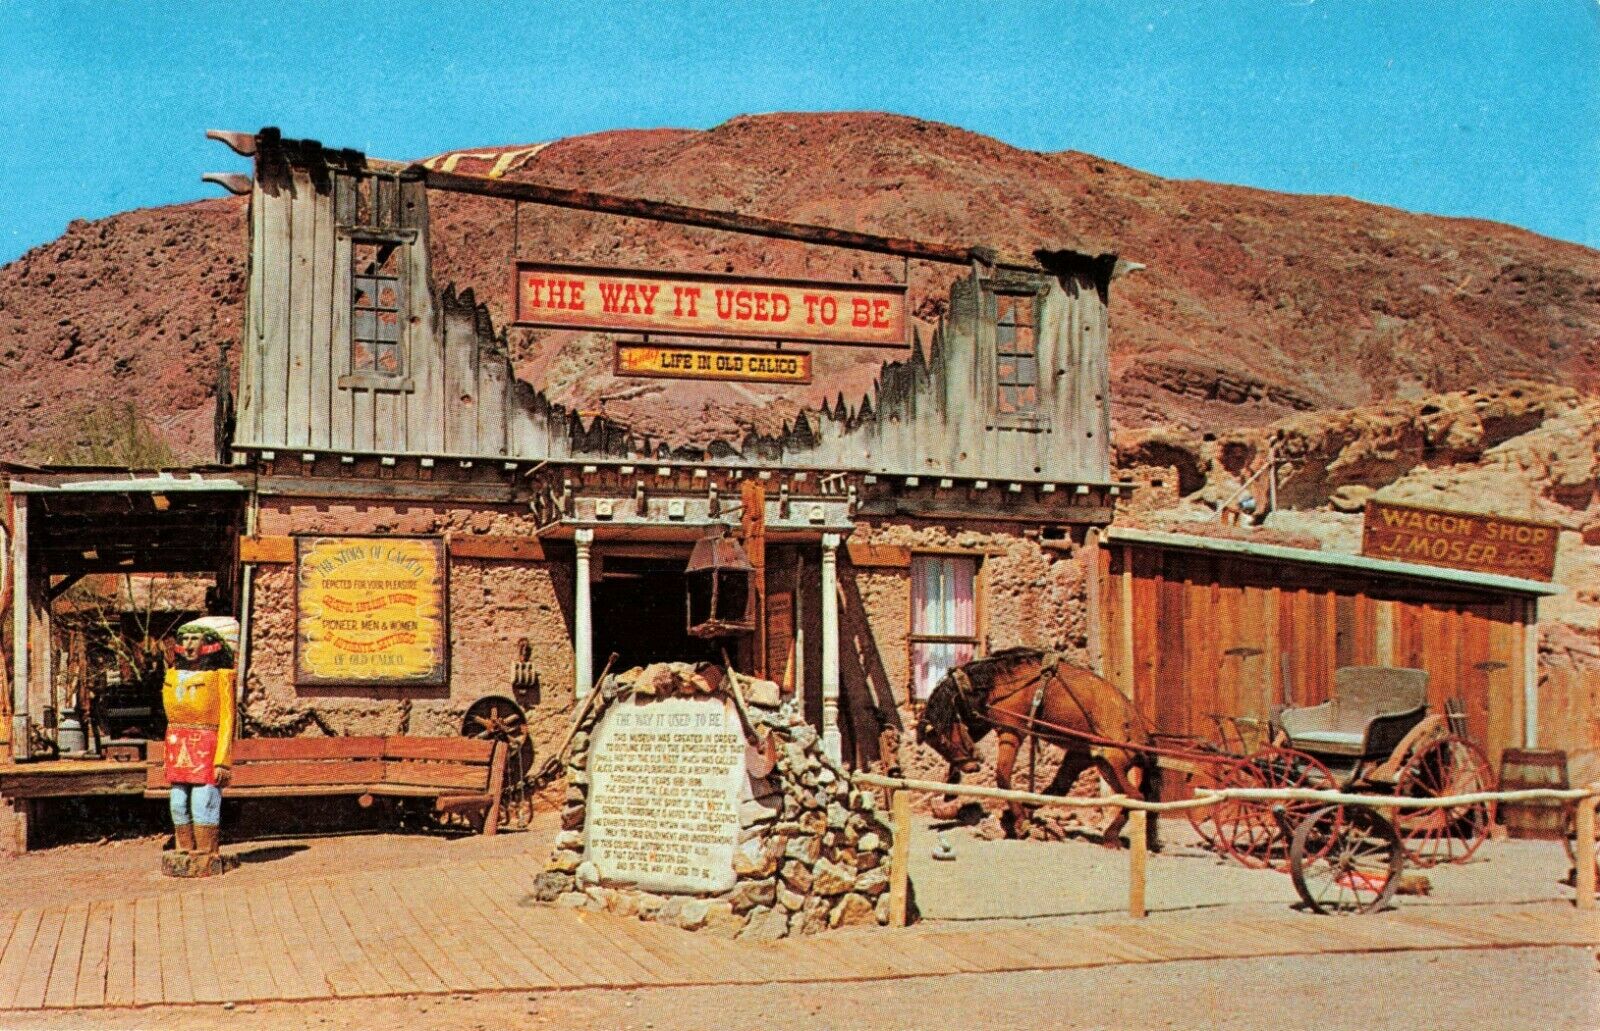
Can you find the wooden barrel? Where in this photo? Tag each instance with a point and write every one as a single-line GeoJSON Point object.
{"type": "Point", "coordinates": [1524, 768]}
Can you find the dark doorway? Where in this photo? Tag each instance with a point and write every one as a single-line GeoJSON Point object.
{"type": "Point", "coordinates": [638, 606]}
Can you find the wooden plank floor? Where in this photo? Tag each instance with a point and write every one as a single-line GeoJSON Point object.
{"type": "Point", "coordinates": [471, 928]}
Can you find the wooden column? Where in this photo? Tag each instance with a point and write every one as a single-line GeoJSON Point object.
{"type": "Point", "coordinates": [753, 527]}
{"type": "Point", "coordinates": [831, 742]}
{"type": "Point", "coordinates": [1138, 851]}
{"type": "Point", "coordinates": [20, 612]}
{"type": "Point", "coordinates": [1530, 673]}
{"type": "Point", "coordinates": [1124, 669]}
{"type": "Point", "coordinates": [1094, 607]}
{"type": "Point", "coordinates": [900, 858]}
{"type": "Point", "coordinates": [1583, 851]}
{"type": "Point", "coordinates": [582, 617]}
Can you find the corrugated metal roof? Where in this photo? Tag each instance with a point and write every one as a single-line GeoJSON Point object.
{"type": "Point", "coordinates": [1332, 559]}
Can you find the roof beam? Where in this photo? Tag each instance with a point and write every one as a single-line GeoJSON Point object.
{"type": "Point", "coordinates": [709, 218]}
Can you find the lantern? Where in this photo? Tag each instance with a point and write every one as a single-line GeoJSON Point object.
{"type": "Point", "coordinates": [719, 581]}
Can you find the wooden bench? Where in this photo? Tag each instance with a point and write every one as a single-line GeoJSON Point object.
{"type": "Point", "coordinates": [460, 774]}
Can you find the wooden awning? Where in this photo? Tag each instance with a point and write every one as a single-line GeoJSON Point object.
{"type": "Point", "coordinates": [84, 522]}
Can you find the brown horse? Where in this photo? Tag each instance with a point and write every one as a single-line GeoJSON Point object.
{"type": "Point", "coordinates": [1020, 692]}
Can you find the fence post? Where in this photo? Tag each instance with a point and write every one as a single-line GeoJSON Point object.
{"type": "Point", "coordinates": [899, 857]}
{"type": "Point", "coordinates": [1583, 850]}
{"type": "Point", "coordinates": [1138, 839]}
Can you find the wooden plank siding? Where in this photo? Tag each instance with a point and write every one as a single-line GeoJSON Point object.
{"type": "Point", "coordinates": [1193, 633]}
{"type": "Point", "coordinates": [934, 409]}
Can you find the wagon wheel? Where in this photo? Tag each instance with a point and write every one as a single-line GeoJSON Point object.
{"type": "Point", "coordinates": [497, 718]}
{"type": "Point", "coordinates": [1248, 831]}
{"type": "Point", "coordinates": [1205, 768]}
{"type": "Point", "coordinates": [1346, 859]}
{"type": "Point", "coordinates": [1448, 766]}
{"type": "Point", "coordinates": [1209, 775]}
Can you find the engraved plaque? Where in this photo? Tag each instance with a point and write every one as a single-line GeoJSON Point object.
{"type": "Point", "coordinates": [663, 807]}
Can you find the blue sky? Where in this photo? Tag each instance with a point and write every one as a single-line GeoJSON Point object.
{"type": "Point", "coordinates": [1468, 108]}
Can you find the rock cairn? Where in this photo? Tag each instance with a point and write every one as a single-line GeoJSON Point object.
{"type": "Point", "coordinates": [813, 852]}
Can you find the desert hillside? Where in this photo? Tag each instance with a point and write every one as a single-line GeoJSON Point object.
{"type": "Point", "coordinates": [1252, 306]}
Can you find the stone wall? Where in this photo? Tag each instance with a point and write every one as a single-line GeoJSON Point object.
{"type": "Point", "coordinates": [493, 604]}
{"type": "Point", "coordinates": [813, 852]}
{"type": "Point", "coordinates": [1034, 595]}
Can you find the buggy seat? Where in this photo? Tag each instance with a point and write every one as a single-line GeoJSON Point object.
{"type": "Point", "coordinates": [1372, 709]}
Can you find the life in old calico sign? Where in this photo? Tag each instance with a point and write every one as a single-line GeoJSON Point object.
{"type": "Point", "coordinates": [665, 778]}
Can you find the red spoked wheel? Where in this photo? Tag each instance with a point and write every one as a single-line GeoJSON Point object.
{"type": "Point", "coordinates": [1248, 830]}
{"type": "Point", "coordinates": [1448, 766]}
{"type": "Point", "coordinates": [1210, 775]}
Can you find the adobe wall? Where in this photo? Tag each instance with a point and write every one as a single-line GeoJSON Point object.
{"type": "Point", "coordinates": [1035, 596]}
{"type": "Point", "coordinates": [1035, 592]}
{"type": "Point", "coordinates": [493, 604]}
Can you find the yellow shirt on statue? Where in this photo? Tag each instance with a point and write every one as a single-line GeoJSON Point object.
{"type": "Point", "coordinates": [202, 698]}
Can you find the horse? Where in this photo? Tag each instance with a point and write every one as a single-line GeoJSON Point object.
{"type": "Point", "coordinates": [1022, 692]}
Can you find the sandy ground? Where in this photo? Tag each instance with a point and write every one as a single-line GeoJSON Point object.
{"type": "Point", "coordinates": [987, 881]}
{"type": "Point", "coordinates": [1547, 989]}
{"type": "Point", "coordinates": [990, 883]}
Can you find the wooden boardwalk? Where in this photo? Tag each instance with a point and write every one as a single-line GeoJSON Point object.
{"type": "Point", "coordinates": [464, 928]}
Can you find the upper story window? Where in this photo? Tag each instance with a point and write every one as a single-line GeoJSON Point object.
{"type": "Point", "coordinates": [1016, 346]}
{"type": "Point", "coordinates": [375, 215]}
{"type": "Point", "coordinates": [377, 308]}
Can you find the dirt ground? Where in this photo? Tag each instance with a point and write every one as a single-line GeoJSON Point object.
{"type": "Point", "coordinates": [990, 883]}
{"type": "Point", "coordinates": [1548, 989]}
{"type": "Point", "coordinates": [1060, 881]}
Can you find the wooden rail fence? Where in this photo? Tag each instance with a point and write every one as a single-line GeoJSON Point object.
{"type": "Point", "coordinates": [1140, 811]}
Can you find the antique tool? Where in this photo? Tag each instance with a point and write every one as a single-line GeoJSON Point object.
{"type": "Point", "coordinates": [553, 764]}
{"type": "Point", "coordinates": [496, 718]}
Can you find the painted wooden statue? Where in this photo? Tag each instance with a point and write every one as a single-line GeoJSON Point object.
{"type": "Point", "coordinates": [198, 695]}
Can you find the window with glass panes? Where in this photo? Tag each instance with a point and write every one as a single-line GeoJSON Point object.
{"type": "Point", "coordinates": [1016, 355]}
{"type": "Point", "coordinates": [944, 617]}
{"type": "Point", "coordinates": [375, 308]}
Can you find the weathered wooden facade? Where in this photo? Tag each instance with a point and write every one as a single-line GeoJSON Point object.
{"type": "Point", "coordinates": [1190, 626]}
{"type": "Point", "coordinates": [374, 400]}
{"type": "Point", "coordinates": [449, 389]}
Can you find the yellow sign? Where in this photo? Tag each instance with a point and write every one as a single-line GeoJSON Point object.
{"type": "Point", "coordinates": [714, 363]}
{"type": "Point", "coordinates": [572, 297]}
{"type": "Point", "coordinates": [371, 611]}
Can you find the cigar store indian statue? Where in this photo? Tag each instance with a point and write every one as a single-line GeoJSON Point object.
{"type": "Point", "coordinates": [198, 695]}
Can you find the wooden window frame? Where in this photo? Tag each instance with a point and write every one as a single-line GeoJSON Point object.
{"type": "Point", "coordinates": [1035, 420]}
{"type": "Point", "coordinates": [370, 379]}
{"type": "Point", "coordinates": [980, 615]}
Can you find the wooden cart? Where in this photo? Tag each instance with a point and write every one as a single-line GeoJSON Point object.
{"type": "Point", "coordinates": [1374, 736]}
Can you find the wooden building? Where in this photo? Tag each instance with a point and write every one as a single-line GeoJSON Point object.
{"type": "Point", "coordinates": [404, 526]}
{"type": "Point", "coordinates": [1189, 626]}
{"type": "Point", "coordinates": [378, 419]}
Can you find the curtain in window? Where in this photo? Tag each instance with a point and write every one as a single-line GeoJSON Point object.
{"type": "Point", "coordinates": [943, 605]}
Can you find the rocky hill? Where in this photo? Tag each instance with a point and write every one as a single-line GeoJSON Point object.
{"type": "Point", "coordinates": [1253, 305]}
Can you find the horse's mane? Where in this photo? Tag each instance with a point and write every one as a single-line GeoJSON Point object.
{"type": "Point", "coordinates": [945, 703]}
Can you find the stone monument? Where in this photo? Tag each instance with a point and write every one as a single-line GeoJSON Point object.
{"type": "Point", "coordinates": [696, 803]}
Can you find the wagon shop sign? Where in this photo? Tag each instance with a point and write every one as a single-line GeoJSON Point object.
{"type": "Point", "coordinates": [370, 611]}
{"type": "Point", "coordinates": [1460, 540]}
{"type": "Point", "coordinates": [713, 363]}
{"type": "Point", "coordinates": [609, 300]}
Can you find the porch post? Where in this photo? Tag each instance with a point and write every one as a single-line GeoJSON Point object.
{"type": "Point", "coordinates": [19, 627]}
{"type": "Point", "coordinates": [1530, 673]}
{"type": "Point", "coordinates": [582, 618]}
{"type": "Point", "coordinates": [831, 742]}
